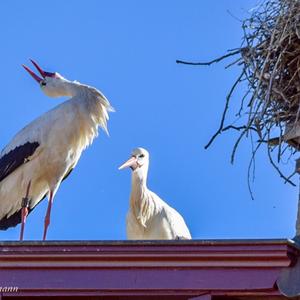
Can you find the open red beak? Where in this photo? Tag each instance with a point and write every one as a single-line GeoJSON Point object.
{"type": "Point", "coordinates": [131, 162]}
{"type": "Point", "coordinates": [41, 71]}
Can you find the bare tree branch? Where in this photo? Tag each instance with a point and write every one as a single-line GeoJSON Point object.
{"type": "Point", "coordinates": [219, 131]}
{"type": "Point", "coordinates": [209, 62]}
{"type": "Point", "coordinates": [270, 60]}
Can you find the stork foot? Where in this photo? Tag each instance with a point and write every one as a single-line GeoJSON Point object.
{"type": "Point", "coordinates": [180, 238]}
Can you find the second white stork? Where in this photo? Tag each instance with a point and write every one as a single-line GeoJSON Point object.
{"type": "Point", "coordinates": [149, 217]}
{"type": "Point", "coordinates": [43, 153]}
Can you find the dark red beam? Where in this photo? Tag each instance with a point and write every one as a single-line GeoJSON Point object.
{"type": "Point", "coordinates": [119, 268]}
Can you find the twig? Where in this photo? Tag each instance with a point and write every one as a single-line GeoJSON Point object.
{"type": "Point", "coordinates": [219, 131]}
{"type": "Point", "coordinates": [236, 146]}
{"type": "Point", "coordinates": [238, 128]}
{"type": "Point", "coordinates": [233, 63]}
{"type": "Point", "coordinates": [209, 62]}
{"type": "Point", "coordinates": [277, 169]}
{"type": "Point", "coordinates": [252, 162]}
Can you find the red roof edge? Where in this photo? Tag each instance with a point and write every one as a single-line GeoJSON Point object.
{"type": "Point", "coordinates": [169, 269]}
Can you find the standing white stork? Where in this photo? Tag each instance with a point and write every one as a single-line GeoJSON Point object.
{"type": "Point", "coordinates": [149, 217]}
{"type": "Point", "coordinates": [44, 152]}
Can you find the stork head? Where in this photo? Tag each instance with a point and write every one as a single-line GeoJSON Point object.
{"type": "Point", "coordinates": [52, 84]}
{"type": "Point", "coordinates": [138, 162]}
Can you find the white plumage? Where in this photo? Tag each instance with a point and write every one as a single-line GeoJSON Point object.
{"type": "Point", "coordinates": [47, 149]}
{"type": "Point", "coordinates": [149, 217]}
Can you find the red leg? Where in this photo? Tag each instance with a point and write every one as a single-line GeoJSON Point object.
{"type": "Point", "coordinates": [24, 212]}
{"type": "Point", "coordinates": [47, 217]}
{"type": "Point", "coordinates": [24, 216]}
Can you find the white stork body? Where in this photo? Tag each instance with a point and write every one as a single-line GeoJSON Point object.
{"type": "Point", "coordinates": [49, 147]}
{"type": "Point", "coordinates": [149, 217]}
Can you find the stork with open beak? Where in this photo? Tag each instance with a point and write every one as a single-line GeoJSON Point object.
{"type": "Point", "coordinates": [43, 153]}
{"type": "Point", "coordinates": [149, 217]}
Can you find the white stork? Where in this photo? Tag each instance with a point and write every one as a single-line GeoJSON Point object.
{"type": "Point", "coordinates": [44, 152]}
{"type": "Point", "coordinates": [149, 217]}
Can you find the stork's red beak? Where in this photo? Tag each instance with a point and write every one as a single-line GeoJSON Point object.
{"type": "Point", "coordinates": [37, 78]}
{"type": "Point", "coordinates": [131, 162]}
{"type": "Point", "coordinates": [41, 71]}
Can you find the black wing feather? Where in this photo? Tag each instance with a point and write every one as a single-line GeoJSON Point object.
{"type": "Point", "coordinates": [16, 217]}
{"type": "Point", "coordinates": [8, 164]}
{"type": "Point", "coordinates": [15, 158]}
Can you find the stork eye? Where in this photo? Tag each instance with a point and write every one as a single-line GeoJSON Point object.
{"type": "Point", "coordinates": [43, 83]}
{"type": "Point", "coordinates": [141, 155]}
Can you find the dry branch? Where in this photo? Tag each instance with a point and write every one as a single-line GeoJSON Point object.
{"type": "Point", "coordinates": [270, 60]}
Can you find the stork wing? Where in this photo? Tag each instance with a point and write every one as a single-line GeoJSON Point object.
{"type": "Point", "coordinates": [16, 157]}
{"type": "Point", "coordinates": [16, 217]}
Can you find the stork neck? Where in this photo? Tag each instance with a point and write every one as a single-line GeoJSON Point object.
{"type": "Point", "coordinates": [139, 180]}
{"type": "Point", "coordinates": [74, 88]}
{"type": "Point", "coordinates": [142, 204]}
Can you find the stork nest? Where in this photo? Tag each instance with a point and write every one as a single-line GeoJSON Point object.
{"type": "Point", "coordinates": [270, 60]}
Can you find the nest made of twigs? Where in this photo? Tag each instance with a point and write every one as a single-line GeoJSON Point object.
{"type": "Point", "coordinates": [270, 60]}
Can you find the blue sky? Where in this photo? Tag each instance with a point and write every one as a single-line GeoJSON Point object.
{"type": "Point", "coordinates": [128, 49]}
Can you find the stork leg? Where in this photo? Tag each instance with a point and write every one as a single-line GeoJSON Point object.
{"type": "Point", "coordinates": [24, 212]}
{"type": "Point", "coordinates": [47, 217]}
{"type": "Point", "coordinates": [23, 216]}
